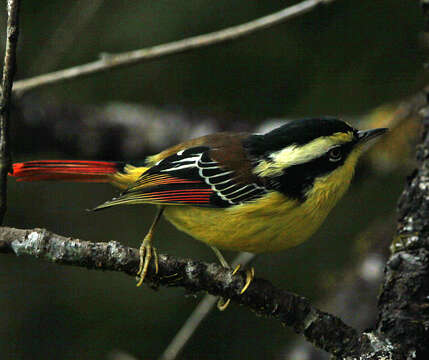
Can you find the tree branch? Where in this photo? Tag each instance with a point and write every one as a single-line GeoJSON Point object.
{"type": "Point", "coordinates": [320, 328]}
{"type": "Point", "coordinates": [201, 311]}
{"type": "Point", "coordinates": [5, 97]}
{"type": "Point", "coordinates": [404, 300]}
{"type": "Point", "coordinates": [355, 288]}
{"type": "Point", "coordinates": [112, 61]}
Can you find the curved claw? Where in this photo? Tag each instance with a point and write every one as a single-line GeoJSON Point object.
{"type": "Point", "coordinates": [250, 274]}
{"type": "Point", "coordinates": [238, 267]}
{"type": "Point", "coordinates": [223, 303]}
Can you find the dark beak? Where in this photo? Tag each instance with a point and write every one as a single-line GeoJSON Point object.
{"type": "Point", "coordinates": [365, 135]}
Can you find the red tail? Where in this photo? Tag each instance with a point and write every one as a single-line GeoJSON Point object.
{"type": "Point", "coordinates": [67, 170]}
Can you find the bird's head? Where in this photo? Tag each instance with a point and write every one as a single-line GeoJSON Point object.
{"type": "Point", "coordinates": [302, 153]}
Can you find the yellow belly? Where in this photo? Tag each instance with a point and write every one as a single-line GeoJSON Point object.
{"type": "Point", "coordinates": [272, 223]}
{"type": "Point", "coordinates": [269, 224]}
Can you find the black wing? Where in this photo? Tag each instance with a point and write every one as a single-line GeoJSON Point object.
{"type": "Point", "coordinates": [190, 177]}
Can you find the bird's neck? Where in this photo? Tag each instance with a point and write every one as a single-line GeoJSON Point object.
{"type": "Point", "coordinates": [328, 189]}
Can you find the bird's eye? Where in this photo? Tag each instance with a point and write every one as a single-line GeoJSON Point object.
{"type": "Point", "coordinates": [335, 154]}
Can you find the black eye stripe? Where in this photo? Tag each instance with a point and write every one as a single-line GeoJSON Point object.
{"type": "Point", "coordinates": [297, 179]}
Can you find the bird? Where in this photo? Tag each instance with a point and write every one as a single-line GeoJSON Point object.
{"type": "Point", "coordinates": [234, 191]}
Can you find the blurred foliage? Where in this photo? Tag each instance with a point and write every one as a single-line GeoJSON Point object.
{"type": "Point", "coordinates": [343, 59]}
{"type": "Point", "coordinates": [395, 150]}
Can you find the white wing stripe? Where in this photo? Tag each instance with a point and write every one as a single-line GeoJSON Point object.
{"type": "Point", "coordinates": [210, 167]}
{"type": "Point", "coordinates": [239, 196]}
{"type": "Point", "coordinates": [221, 174]}
{"type": "Point", "coordinates": [194, 161]}
{"type": "Point", "coordinates": [191, 159]}
{"type": "Point", "coordinates": [241, 189]}
{"type": "Point", "coordinates": [228, 187]}
{"type": "Point", "coordinates": [179, 167]}
{"type": "Point", "coordinates": [219, 183]}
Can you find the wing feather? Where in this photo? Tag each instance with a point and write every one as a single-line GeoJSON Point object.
{"type": "Point", "coordinates": [189, 177]}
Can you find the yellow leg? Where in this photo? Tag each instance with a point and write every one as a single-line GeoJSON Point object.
{"type": "Point", "coordinates": [223, 303]}
{"type": "Point", "coordinates": [220, 257]}
{"type": "Point", "coordinates": [147, 250]}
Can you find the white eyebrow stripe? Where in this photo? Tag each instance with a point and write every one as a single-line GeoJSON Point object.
{"type": "Point", "coordinates": [296, 154]}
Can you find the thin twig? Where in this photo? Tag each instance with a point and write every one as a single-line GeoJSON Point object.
{"type": "Point", "coordinates": [322, 329]}
{"type": "Point", "coordinates": [9, 67]}
{"type": "Point", "coordinates": [198, 315]}
{"type": "Point", "coordinates": [112, 61]}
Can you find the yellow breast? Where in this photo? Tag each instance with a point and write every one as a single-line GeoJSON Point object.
{"type": "Point", "coordinates": [272, 223]}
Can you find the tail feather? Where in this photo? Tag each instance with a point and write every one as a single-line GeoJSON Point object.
{"type": "Point", "coordinates": [66, 170]}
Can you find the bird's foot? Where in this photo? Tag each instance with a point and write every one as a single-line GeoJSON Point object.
{"type": "Point", "coordinates": [223, 303]}
{"type": "Point", "coordinates": [146, 252]}
{"type": "Point", "coordinates": [250, 274]}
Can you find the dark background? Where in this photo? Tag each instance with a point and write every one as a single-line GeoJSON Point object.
{"type": "Point", "coordinates": [343, 60]}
